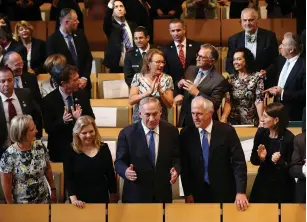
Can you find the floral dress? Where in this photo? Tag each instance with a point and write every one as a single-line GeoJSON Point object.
{"type": "Point", "coordinates": [243, 95]}
{"type": "Point", "coordinates": [28, 168]}
{"type": "Point", "coordinates": [140, 81]}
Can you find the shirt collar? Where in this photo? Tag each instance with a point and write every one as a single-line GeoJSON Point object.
{"type": "Point", "coordinates": [205, 71]}
{"type": "Point", "coordinates": [208, 128]}
{"type": "Point", "coordinates": [64, 95]}
{"type": "Point", "coordinates": [4, 98]}
{"type": "Point", "coordinates": [255, 34]}
{"type": "Point", "coordinates": [184, 43]}
{"type": "Point", "coordinates": [120, 22]}
{"type": "Point", "coordinates": [146, 50]}
{"type": "Point", "coordinates": [146, 130]}
{"type": "Point", "coordinates": [293, 59]}
{"type": "Point", "coordinates": [63, 33]}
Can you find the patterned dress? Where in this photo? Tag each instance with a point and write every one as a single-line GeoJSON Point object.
{"type": "Point", "coordinates": [28, 169]}
{"type": "Point", "coordinates": [140, 81]}
{"type": "Point", "coordinates": [243, 95]}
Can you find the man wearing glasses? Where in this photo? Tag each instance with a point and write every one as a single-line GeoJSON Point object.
{"type": "Point", "coordinates": [202, 80]}
{"type": "Point", "coordinates": [261, 42]}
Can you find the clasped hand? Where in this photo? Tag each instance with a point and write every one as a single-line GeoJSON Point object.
{"type": "Point", "coordinates": [188, 86]}
{"type": "Point", "coordinates": [75, 113]}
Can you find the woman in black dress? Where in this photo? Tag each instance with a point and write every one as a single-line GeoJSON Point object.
{"type": "Point", "coordinates": [88, 170]}
{"type": "Point", "coordinates": [273, 147]}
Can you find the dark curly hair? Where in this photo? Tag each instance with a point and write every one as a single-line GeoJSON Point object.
{"type": "Point", "coordinates": [249, 59]}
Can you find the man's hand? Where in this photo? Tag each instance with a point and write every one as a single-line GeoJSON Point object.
{"type": "Point", "coordinates": [262, 72]}
{"type": "Point", "coordinates": [178, 99]}
{"type": "Point", "coordinates": [76, 112]}
{"type": "Point", "coordinates": [189, 199]}
{"type": "Point", "coordinates": [78, 203]}
{"type": "Point", "coordinates": [275, 157]}
{"type": "Point", "coordinates": [53, 197]}
{"type": "Point", "coordinates": [130, 173]}
{"type": "Point", "coordinates": [67, 117]}
{"type": "Point", "coordinates": [191, 88]}
{"type": "Point", "coordinates": [159, 12]}
{"type": "Point", "coordinates": [82, 83]}
{"type": "Point", "coordinates": [181, 83]}
{"type": "Point", "coordinates": [241, 202]}
{"type": "Point", "coordinates": [172, 12]}
{"type": "Point", "coordinates": [276, 90]}
{"type": "Point", "coordinates": [174, 175]}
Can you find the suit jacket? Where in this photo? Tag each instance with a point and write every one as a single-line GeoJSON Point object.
{"type": "Point", "coordinates": [266, 52]}
{"type": "Point", "coordinates": [297, 162]}
{"type": "Point", "coordinates": [173, 66]}
{"type": "Point", "coordinates": [57, 44]}
{"type": "Point", "coordinates": [29, 107]}
{"type": "Point", "coordinates": [60, 133]}
{"type": "Point", "coordinates": [30, 81]}
{"type": "Point", "coordinates": [153, 182]}
{"type": "Point", "coordinates": [133, 63]}
{"type": "Point", "coordinates": [38, 55]}
{"type": "Point", "coordinates": [114, 32]}
{"type": "Point", "coordinates": [212, 87]}
{"type": "Point", "coordinates": [294, 96]}
{"type": "Point", "coordinates": [226, 167]}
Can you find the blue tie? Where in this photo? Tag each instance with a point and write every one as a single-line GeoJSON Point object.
{"type": "Point", "coordinates": [126, 39]}
{"type": "Point", "coordinates": [69, 103]}
{"type": "Point", "coordinates": [205, 148]}
{"type": "Point", "coordinates": [16, 81]}
{"type": "Point", "coordinates": [152, 147]}
{"type": "Point", "coordinates": [72, 49]}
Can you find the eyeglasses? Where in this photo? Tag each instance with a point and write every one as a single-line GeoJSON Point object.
{"type": "Point", "coordinates": [204, 58]}
{"type": "Point", "coordinates": [159, 62]}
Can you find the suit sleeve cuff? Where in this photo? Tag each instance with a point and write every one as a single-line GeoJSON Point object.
{"type": "Point", "coordinates": [282, 95]}
{"type": "Point", "coordinates": [304, 170]}
{"type": "Point", "coordinates": [84, 78]}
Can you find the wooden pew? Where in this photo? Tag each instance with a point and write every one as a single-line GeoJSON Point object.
{"type": "Point", "coordinates": [135, 212]}
{"type": "Point", "coordinates": [40, 29]}
{"type": "Point", "coordinates": [255, 213]}
{"type": "Point", "coordinates": [70, 213]}
{"type": "Point", "coordinates": [58, 168]}
{"type": "Point", "coordinates": [24, 212]}
{"type": "Point", "coordinates": [101, 77]}
{"type": "Point", "coordinates": [293, 212]}
{"type": "Point", "coordinates": [192, 212]}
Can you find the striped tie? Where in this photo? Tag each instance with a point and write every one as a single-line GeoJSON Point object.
{"type": "Point", "coordinates": [126, 40]}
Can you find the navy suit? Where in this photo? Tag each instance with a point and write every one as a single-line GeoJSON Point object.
{"type": "Point", "coordinates": [153, 182]}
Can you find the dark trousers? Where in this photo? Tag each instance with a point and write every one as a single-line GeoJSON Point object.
{"type": "Point", "coordinates": [205, 196]}
{"type": "Point", "coordinates": [236, 9]}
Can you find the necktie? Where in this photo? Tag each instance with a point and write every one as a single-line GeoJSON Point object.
{"type": "Point", "coordinates": [283, 75]}
{"type": "Point", "coordinates": [16, 82]}
{"type": "Point", "coordinates": [198, 78]}
{"type": "Point", "coordinates": [152, 148]}
{"type": "Point", "coordinates": [126, 39]}
{"type": "Point", "coordinates": [205, 148]}
{"type": "Point", "coordinates": [181, 55]}
{"type": "Point", "coordinates": [251, 38]}
{"type": "Point", "coordinates": [72, 49]}
{"type": "Point", "coordinates": [11, 109]}
{"type": "Point", "coordinates": [143, 54]}
{"type": "Point", "coordinates": [69, 103]}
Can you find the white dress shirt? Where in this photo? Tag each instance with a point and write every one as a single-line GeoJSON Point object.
{"type": "Point", "coordinates": [146, 50]}
{"type": "Point", "coordinates": [252, 46]}
{"type": "Point", "coordinates": [156, 137]}
{"type": "Point", "coordinates": [304, 169]}
{"type": "Point", "coordinates": [208, 133]}
{"type": "Point", "coordinates": [184, 43]}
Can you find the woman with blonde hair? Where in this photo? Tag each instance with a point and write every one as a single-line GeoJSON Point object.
{"type": "Point", "coordinates": [151, 81]}
{"type": "Point", "coordinates": [49, 85]}
{"type": "Point", "coordinates": [36, 48]}
{"type": "Point", "coordinates": [88, 169]}
{"type": "Point", "coordinates": [25, 165]}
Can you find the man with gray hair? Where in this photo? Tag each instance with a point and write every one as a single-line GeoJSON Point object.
{"type": "Point", "coordinates": [147, 156]}
{"type": "Point", "coordinates": [261, 42]}
{"type": "Point", "coordinates": [202, 80]}
{"type": "Point", "coordinates": [212, 160]}
{"type": "Point", "coordinates": [290, 82]}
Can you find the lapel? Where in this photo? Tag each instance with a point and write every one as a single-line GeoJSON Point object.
{"type": "Point", "coordinates": [137, 53]}
{"type": "Point", "coordinates": [260, 42]}
{"type": "Point", "coordinates": [293, 72]}
{"type": "Point", "coordinates": [241, 40]}
{"type": "Point", "coordinates": [207, 78]}
{"type": "Point", "coordinates": [77, 44]}
{"type": "Point", "coordinates": [189, 52]}
{"type": "Point", "coordinates": [22, 101]}
{"type": "Point", "coordinates": [197, 144]}
{"type": "Point", "coordinates": [141, 137]}
{"type": "Point", "coordinates": [174, 55]}
{"type": "Point", "coordinates": [162, 141]}
{"type": "Point", "coordinates": [215, 135]}
{"type": "Point", "coordinates": [34, 49]}
{"type": "Point", "coordinates": [62, 43]}
{"type": "Point", "coordinates": [25, 82]}
{"type": "Point", "coordinates": [2, 117]}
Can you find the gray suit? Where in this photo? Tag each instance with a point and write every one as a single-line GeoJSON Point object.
{"type": "Point", "coordinates": [28, 106]}
{"type": "Point", "coordinates": [212, 87]}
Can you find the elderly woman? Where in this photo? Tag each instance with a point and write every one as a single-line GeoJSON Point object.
{"type": "Point", "coordinates": [49, 85]}
{"type": "Point", "coordinates": [272, 151]}
{"type": "Point", "coordinates": [36, 48]}
{"type": "Point", "coordinates": [244, 104]}
{"type": "Point", "coordinates": [25, 165]}
{"type": "Point", "coordinates": [151, 81]}
{"type": "Point", "coordinates": [88, 169]}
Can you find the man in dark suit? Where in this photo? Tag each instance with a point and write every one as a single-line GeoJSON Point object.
{"type": "Point", "coordinates": [213, 163]}
{"type": "Point", "coordinates": [22, 79]}
{"type": "Point", "coordinates": [61, 108]}
{"type": "Point", "coordinates": [134, 56]}
{"type": "Point", "coordinates": [262, 43]}
{"type": "Point", "coordinates": [147, 156]}
{"type": "Point", "coordinates": [119, 32]}
{"type": "Point", "coordinates": [71, 42]}
{"type": "Point", "coordinates": [179, 54]}
{"type": "Point", "coordinates": [14, 102]}
{"type": "Point", "coordinates": [168, 8]}
{"type": "Point", "coordinates": [298, 163]}
{"type": "Point", "coordinates": [290, 83]}
{"type": "Point", "coordinates": [202, 80]}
